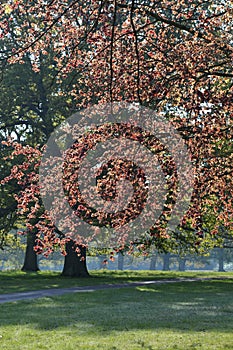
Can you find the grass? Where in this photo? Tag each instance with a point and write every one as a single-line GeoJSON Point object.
{"type": "Point", "coordinates": [195, 315]}
{"type": "Point", "coordinates": [17, 281]}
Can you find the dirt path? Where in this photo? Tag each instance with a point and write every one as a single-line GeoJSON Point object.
{"type": "Point", "coordinates": [11, 297]}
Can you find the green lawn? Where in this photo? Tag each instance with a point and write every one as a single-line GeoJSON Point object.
{"type": "Point", "coordinates": [185, 315]}
{"type": "Point", "coordinates": [17, 281]}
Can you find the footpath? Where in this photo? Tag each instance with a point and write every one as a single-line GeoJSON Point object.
{"type": "Point", "coordinates": [12, 297]}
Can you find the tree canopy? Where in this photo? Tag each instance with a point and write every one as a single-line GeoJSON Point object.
{"type": "Point", "coordinates": [174, 57]}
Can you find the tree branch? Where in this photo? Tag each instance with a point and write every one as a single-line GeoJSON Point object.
{"type": "Point", "coordinates": [136, 50]}
{"type": "Point", "coordinates": [111, 51]}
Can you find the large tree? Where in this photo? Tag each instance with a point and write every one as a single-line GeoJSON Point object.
{"type": "Point", "coordinates": [174, 57]}
{"type": "Point", "coordinates": [30, 108]}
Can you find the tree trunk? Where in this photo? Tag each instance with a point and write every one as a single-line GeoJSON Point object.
{"type": "Point", "coordinates": [74, 265]}
{"type": "Point", "coordinates": [166, 262]}
{"type": "Point", "coordinates": [182, 264]}
{"type": "Point", "coordinates": [221, 260]}
{"type": "Point", "coordinates": [153, 262]}
{"type": "Point", "coordinates": [120, 262]}
{"type": "Point", "coordinates": [30, 260]}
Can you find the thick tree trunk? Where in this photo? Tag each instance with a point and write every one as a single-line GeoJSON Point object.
{"type": "Point", "coordinates": [30, 260]}
{"type": "Point", "coordinates": [74, 265]}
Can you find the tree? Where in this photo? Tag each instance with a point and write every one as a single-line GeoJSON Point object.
{"type": "Point", "coordinates": [8, 205]}
{"type": "Point", "coordinates": [31, 107]}
{"type": "Point", "coordinates": [30, 117]}
{"type": "Point", "coordinates": [42, 235]}
{"type": "Point", "coordinates": [174, 57]}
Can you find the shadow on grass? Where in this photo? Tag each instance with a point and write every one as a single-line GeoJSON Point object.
{"type": "Point", "coordinates": [192, 306]}
{"type": "Point", "coordinates": [17, 281]}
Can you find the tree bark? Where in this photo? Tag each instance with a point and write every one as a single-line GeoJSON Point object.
{"type": "Point", "coordinates": [182, 264]}
{"type": "Point", "coordinates": [221, 260]}
{"type": "Point", "coordinates": [166, 262]}
{"type": "Point", "coordinates": [74, 265]}
{"type": "Point", "coordinates": [120, 263]}
{"type": "Point", "coordinates": [153, 262]}
{"type": "Point", "coordinates": [30, 260]}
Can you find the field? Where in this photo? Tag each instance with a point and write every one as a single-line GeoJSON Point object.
{"type": "Point", "coordinates": [184, 315]}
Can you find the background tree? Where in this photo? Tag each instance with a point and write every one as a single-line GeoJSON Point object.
{"type": "Point", "coordinates": [30, 108]}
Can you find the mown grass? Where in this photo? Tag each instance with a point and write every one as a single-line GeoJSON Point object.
{"type": "Point", "coordinates": [185, 315]}
{"type": "Point", "coordinates": [17, 281]}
